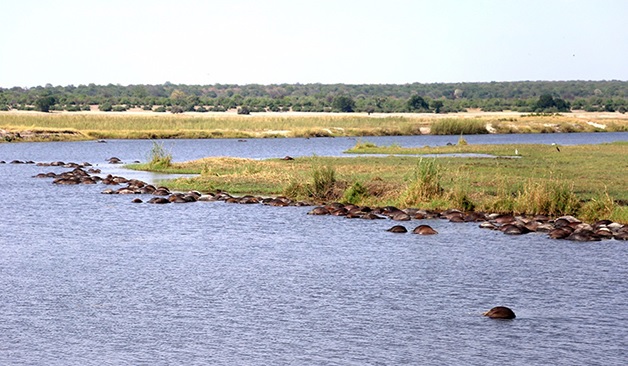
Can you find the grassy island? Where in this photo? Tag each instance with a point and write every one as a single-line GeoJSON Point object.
{"type": "Point", "coordinates": [587, 181]}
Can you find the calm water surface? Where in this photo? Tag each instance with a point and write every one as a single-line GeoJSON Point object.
{"type": "Point", "coordinates": [92, 279]}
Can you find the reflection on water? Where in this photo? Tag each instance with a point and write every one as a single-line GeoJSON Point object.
{"type": "Point", "coordinates": [91, 279]}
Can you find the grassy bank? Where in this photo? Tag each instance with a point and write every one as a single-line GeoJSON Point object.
{"type": "Point", "coordinates": [587, 181]}
{"type": "Point", "coordinates": [133, 125]}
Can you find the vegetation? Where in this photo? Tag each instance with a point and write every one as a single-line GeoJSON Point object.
{"type": "Point", "coordinates": [218, 125]}
{"type": "Point", "coordinates": [459, 126]}
{"type": "Point", "coordinates": [159, 158]}
{"type": "Point", "coordinates": [540, 181]}
{"type": "Point", "coordinates": [522, 96]}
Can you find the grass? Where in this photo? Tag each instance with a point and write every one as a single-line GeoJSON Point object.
{"type": "Point", "coordinates": [586, 181]}
{"type": "Point", "coordinates": [132, 125]}
{"type": "Point", "coordinates": [458, 126]}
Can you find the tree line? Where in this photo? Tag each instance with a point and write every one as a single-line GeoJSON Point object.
{"type": "Point", "coordinates": [522, 96]}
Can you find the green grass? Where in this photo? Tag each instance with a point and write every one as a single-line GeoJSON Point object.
{"type": "Point", "coordinates": [458, 126]}
{"type": "Point", "coordinates": [587, 180]}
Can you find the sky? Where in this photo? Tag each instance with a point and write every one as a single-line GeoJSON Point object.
{"type": "Point", "coordinates": [128, 42]}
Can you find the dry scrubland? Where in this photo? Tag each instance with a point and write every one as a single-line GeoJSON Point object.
{"type": "Point", "coordinates": [34, 126]}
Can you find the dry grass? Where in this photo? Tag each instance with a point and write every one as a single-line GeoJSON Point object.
{"type": "Point", "coordinates": [231, 125]}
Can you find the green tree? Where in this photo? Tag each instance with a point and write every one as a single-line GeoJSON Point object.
{"type": "Point", "coordinates": [416, 103]}
{"type": "Point", "coordinates": [105, 107]}
{"type": "Point", "coordinates": [436, 105]}
{"type": "Point", "coordinates": [44, 103]}
{"type": "Point", "coordinates": [343, 103]}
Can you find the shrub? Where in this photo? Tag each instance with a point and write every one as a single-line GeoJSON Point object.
{"type": "Point", "coordinates": [549, 198]}
{"type": "Point", "coordinates": [105, 107]}
{"type": "Point", "coordinates": [160, 109]}
{"type": "Point", "coordinates": [72, 108]}
{"type": "Point", "coordinates": [244, 110]}
{"type": "Point", "coordinates": [119, 108]}
{"type": "Point", "coordinates": [598, 208]}
{"type": "Point", "coordinates": [323, 181]}
{"type": "Point", "coordinates": [455, 126]}
{"type": "Point", "coordinates": [176, 109]}
{"type": "Point", "coordinates": [355, 194]}
{"type": "Point", "coordinates": [159, 158]}
{"type": "Point", "coordinates": [425, 184]}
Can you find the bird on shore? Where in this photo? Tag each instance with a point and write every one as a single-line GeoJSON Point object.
{"type": "Point", "coordinates": [556, 146]}
{"type": "Point", "coordinates": [516, 152]}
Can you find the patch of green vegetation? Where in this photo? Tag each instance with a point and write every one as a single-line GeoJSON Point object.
{"type": "Point", "coordinates": [586, 181]}
{"type": "Point", "coordinates": [458, 126]}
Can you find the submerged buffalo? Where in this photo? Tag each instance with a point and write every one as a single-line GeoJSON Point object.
{"type": "Point", "coordinates": [500, 312]}
{"type": "Point", "coordinates": [424, 230]}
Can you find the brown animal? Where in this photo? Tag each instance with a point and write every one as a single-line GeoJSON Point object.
{"type": "Point", "coordinates": [424, 230]}
{"type": "Point", "coordinates": [500, 312]}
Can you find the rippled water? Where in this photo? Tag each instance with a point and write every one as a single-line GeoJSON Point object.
{"type": "Point", "coordinates": [92, 279]}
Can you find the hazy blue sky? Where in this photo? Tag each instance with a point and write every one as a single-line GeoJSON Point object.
{"type": "Point", "coordinates": [328, 41]}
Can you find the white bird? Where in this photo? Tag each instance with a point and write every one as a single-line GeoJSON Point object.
{"type": "Point", "coordinates": [516, 152]}
{"type": "Point", "coordinates": [554, 144]}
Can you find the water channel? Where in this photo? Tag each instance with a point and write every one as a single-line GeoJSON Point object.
{"type": "Point", "coordinates": [92, 279]}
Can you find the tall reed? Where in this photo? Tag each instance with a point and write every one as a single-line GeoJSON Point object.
{"type": "Point", "coordinates": [458, 126]}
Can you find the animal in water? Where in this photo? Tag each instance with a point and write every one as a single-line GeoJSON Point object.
{"type": "Point", "coordinates": [424, 230]}
{"type": "Point", "coordinates": [398, 229]}
{"type": "Point", "coordinates": [500, 312]}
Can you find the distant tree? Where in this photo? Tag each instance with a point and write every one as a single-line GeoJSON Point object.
{"type": "Point", "coordinates": [176, 109]}
{"type": "Point", "coordinates": [343, 103]}
{"type": "Point", "coordinates": [44, 103]}
{"type": "Point", "coordinates": [562, 105]}
{"type": "Point", "coordinates": [177, 95]}
{"type": "Point", "coordinates": [436, 105]}
{"type": "Point", "coordinates": [417, 103]}
{"type": "Point", "coordinates": [105, 107]}
{"type": "Point", "coordinates": [547, 103]}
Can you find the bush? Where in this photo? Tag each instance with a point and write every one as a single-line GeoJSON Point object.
{"type": "Point", "coordinates": [72, 108]}
{"type": "Point", "coordinates": [160, 109]}
{"type": "Point", "coordinates": [455, 126]}
{"type": "Point", "coordinates": [159, 158]}
{"type": "Point", "coordinates": [355, 194]}
{"type": "Point", "coordinates": [176, 109]}
{"type": "Point", "coordinates": [105, 107]}
{"type": "Point", "coordinates": [323, 181]}
{"type": "Point", "coordinates": [120, 108]}
{"type": "Point", "coordinates": [548, 198]}
{"type": "Point", "coordinates": [425, 184]}
{"type": "Point", "coordinates": [244, 110]}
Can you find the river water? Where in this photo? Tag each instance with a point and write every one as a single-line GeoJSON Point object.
{"type": "Point", "coordinates": [92, 279]}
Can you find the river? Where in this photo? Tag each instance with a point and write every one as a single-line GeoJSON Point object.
{"type": "Point", "coordinates": [93, 279]}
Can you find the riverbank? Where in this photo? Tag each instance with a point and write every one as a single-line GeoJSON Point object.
{"type": "Point", "coordinates": [587, 181]}
{"type": "Point", "coordinates": [57, 126]}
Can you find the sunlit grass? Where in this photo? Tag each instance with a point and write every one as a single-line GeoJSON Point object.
{"type": "Point", "coordinates": [588, 179]}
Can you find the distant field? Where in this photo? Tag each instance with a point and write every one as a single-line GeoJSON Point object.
{"type": "Point", "coordinates": [33, 126]}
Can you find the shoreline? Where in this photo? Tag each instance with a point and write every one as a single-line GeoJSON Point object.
{"type": "Point", "coordinates": [96, 125]}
